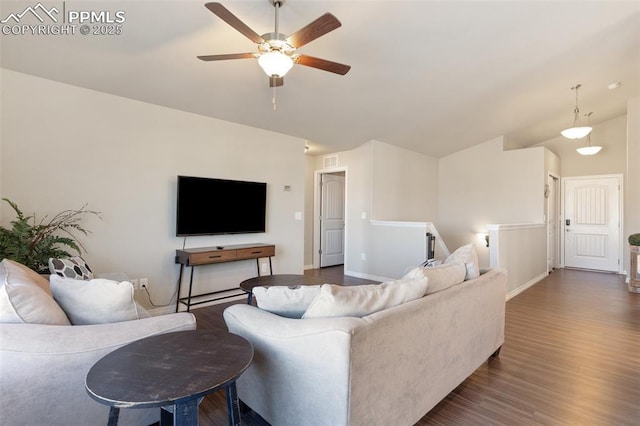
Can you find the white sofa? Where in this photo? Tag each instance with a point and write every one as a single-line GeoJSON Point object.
{"type": "Point", "coordinates": [387, 368]}
{"type": "Point", "coordinates": [43, 366]}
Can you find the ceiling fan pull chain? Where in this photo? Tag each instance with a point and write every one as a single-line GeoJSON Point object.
{"type": "Point", "coordinates": [273, 100]}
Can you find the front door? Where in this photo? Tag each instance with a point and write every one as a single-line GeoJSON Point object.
{"type": "Point", "coordinates": [332, 219]}
{"type": "Point", "coordinates": [592, 223]}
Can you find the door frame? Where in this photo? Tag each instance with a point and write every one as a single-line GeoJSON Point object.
{"type": "Point", "coordinates": [317, 175]}
{"type": "Point", "coordinates": [620, 178]}
{"type": "Point", "coordinates": [554, 205]}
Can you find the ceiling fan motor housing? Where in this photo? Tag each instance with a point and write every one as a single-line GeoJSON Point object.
{"type": "Point", "coordinates": [275, 41]}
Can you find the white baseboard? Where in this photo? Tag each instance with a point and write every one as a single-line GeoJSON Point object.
{"type": "Point", "coordinates": [367, 276]}
{"type": "Point", "coordinates": [516, 291]}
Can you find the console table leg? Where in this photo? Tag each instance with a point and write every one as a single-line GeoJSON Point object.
{"type": "Point", "coordinates": [190, 288]}
{"type": "Point", "coordinates": [179, 287]}
{"type": "Point", "coordinates": [233, 407]}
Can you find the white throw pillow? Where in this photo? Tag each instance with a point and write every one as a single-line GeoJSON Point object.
{"type": "Point", "coordinates": [290, 302]}
{"type": "Point", "coordinates": [357, 301]}
{"type": "Point", "coordinates": [466, 254]}
{"type": "Point", "coordinates": [440, 277]}
{"type": "Point", "coordinates": [98, 301]}
{"type": "Point", "coordinates": [25, 297]}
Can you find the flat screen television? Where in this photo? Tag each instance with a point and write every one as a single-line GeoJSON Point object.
{"type": "Point", "coordinates": [207, 206]}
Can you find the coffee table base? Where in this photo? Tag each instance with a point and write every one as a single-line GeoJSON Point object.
{"type": "Point", "coordinates": [186, 414]}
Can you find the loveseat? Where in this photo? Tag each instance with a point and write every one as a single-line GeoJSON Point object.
{"type": "Point", "coordinates": [386, 368]}
{"type": "Point", "coordinates": [44, 359]}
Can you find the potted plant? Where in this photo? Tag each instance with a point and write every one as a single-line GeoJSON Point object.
{"type": "Point", "coordinates": [32, 242]}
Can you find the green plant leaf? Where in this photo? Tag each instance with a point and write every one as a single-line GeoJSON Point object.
{"type": "Point", "coordinates": [32, 242]}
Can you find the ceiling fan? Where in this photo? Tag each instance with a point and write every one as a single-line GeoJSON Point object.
{"type": "Point", "coordinates": [277, 52]}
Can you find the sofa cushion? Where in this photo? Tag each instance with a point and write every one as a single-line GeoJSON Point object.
{"type": "Point", "coordinates": [466, 254]}
{"type": "Point", "coordinates": [440, 277]}
{"type": "Point", "coordinates": [290, 302]}
{"type": "Point", "coordinates": [71, 267]}
{"type": "Point", "coordinates": [357, 301]}
{"type": "Point", "coordinates": [97, 301]}
{"type": "Point", "coordinates": [25, 297]}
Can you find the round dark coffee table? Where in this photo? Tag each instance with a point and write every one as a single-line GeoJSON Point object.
{"type": "Point", "coordinates": [285, 280]}
{"type": "Point", "coordinates": [171, 370]}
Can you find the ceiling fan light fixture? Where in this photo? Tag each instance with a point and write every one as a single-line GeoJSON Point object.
{"type": "Point", "coordinates": [275, 63]}
{"type": "Point", "coordinates": [576, 131]}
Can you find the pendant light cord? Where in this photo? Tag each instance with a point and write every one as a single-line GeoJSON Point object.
{"type": "Point", "coordinates": [576, 111]}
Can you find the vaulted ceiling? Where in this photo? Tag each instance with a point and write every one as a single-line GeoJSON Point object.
{"type": "Point", "coordinates": [431, 76]}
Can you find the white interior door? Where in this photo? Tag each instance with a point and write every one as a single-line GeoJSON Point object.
{"type": "Point", "coordinates": [332, 219]}
{"type": "Point", "coordinates": [592, 223]}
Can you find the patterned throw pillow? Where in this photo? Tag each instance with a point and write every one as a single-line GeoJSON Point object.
{"type": "Point", "coordinates": [72, 267]}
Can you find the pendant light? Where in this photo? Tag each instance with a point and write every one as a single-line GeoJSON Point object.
{"type": "Point", "coordinates": [589, 149]}
{"type": "Point", "coordinates": [576, 131]}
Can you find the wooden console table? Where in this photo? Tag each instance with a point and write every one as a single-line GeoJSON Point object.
{"type": "Point", "coordinates": [210, 255]}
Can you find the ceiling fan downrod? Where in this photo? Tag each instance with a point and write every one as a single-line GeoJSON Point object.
{"type": "Point", "coordinates": [277, 4]}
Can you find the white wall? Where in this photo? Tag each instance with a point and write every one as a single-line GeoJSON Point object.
{"type": "Point", "coordinates": [63, 146]}
{"type": "Point", "coordinates": [357, 163]}
{"type": "Point", "coordinates": [404, 184]}
{"type": "Point", "coordinates": [521, 250]}
{"type": "Point", "coordinates": [309, 169]}
{"type": "Point", "coordinates": [384, 182]}
{"type": "Point", "coordinates": [485, 185]}
{"type": "Point", "coordinates": [632, 182]}
{"type": "Point", "coordinates": [1, 133]}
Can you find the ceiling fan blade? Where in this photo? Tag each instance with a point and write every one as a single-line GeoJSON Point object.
{"type": "Point", "coordinates": [227, 56]}
{"type": "Point", "coordinates": [276, 81]}
{"type": "Point", "coordinates": [228, 17]}
{"type": "Point", "coordinates": [323, 64]}
{"type": "Point", "coordinates": [317, 28]}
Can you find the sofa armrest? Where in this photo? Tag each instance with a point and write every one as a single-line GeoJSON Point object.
{"type": "Point", "coordinates": [48, 364]}
{"type": "Point", "coordinates": [294, 359]}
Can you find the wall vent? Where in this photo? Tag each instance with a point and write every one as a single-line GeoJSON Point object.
{"type": "Point", "coordinates": [330, 161]}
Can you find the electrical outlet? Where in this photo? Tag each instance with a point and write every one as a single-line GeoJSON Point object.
{"type": "Point", "coordinates": [136, 284]}
{"type": "Point", "coordinates": [264, 267]}
{"type": "Point", "coordinates": [363, 256]}
{"type": "Point", "coordinates": [144, 282]}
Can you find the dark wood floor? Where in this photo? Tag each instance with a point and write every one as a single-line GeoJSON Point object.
{"type": "Point", "coordinates": [571, 357]}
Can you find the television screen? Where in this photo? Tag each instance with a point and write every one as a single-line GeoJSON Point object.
{"type": "Point", "coordinates": [208, 206]}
